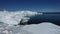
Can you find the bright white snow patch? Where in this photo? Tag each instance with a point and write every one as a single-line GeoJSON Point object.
{"type": "Point", "coordinates": [13, 18]}
{"type": "Point", "coordinates": [43, 28]}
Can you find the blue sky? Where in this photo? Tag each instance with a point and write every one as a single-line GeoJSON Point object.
{"type": "Point", "coordinates": [34, 5]}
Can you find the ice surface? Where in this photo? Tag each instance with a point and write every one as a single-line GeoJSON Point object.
{"type": "Point", "coordinates": [43, 28]}
{"type": "Point", "coordinates": [8, 29]}
{"type": "Point", "coordinates": [13, 18]}
{"type": "Point", "coordinates": [8, 19]}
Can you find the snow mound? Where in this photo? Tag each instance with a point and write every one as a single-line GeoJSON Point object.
{"type": "Point", "coordinates": [43, 28]}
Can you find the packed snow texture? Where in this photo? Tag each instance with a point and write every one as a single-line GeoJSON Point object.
{"type": "Point", "coordinates": [14, 17]}
{"type": "Point", "coordinates": [43, 28]}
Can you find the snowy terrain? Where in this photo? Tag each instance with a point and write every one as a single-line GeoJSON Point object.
{"type": "Point", "coordinates": [15, 17]}
{"type": "Point", "coordinates": [9, 19]}
{"type": "Point", "coordinates": [43, 28]}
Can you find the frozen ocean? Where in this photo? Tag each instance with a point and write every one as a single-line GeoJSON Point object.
{"type": "Point", "coordinates": [9, 24]}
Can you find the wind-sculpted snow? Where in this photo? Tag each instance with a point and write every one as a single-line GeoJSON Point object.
{"type": "Point", "coordinates": [13, 18]}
